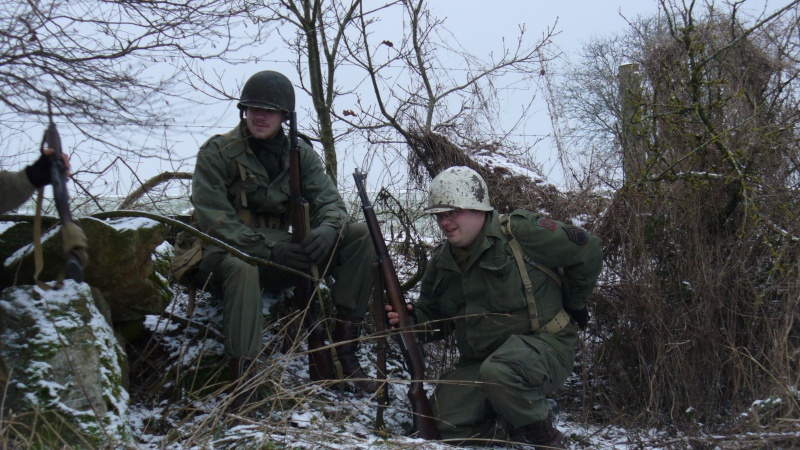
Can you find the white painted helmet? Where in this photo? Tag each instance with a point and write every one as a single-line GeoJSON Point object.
{"type": "Point", "coordinates": [458, 187]}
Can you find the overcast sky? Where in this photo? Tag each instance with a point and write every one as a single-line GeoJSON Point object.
{"type": "Point", "coordinates": [478, 26]}
{"type": "Point", "coordinates": [480, 29]}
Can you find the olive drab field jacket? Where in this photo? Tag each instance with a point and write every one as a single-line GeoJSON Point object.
{"type": "Point", "coordinates": [16, 188]}
{"type": "Point", "coordinates": [486, 303]}
{"type": "Point", "coordinates": [236, 201]}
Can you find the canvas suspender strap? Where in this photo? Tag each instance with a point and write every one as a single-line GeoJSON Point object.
{"type": "Point", "coordinates": [246, 216]}
{"type": "Point", "coordinates": [526, 283]}
{"type": "Point", "coordinates": [242, 197]}
{"type": "Point", "coordinates": [562, 318]}
{"type": "Point", "coordinates": [505, 225]}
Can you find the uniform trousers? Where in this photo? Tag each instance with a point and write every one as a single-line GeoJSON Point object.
{"type": "Point", "coordinates": [240, 285]}
{"type": "Point", "coordinates": [507, 390]}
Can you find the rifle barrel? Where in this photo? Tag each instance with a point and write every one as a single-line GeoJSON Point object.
{"type": "Point", "coordinates": [424, 421]}
{"type": "Point", "coordinates": [58, 179]}
{"type": "Point", "coordinates": [320, 362]}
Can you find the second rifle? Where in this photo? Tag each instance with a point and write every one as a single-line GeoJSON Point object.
{"type": "Point", "coordinates": [424, 422]}
{"type": "Point", "coordinates": [320, 362]}
{"type": "Point", "coordinates": [58, 176]}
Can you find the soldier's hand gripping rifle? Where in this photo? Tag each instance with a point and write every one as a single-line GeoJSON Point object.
{"type": "Point", "coordinates": [71, 234]}
{"type": "Point", "coordinates": [320, 362]}
{"type": "Point", "coordinates": [424, 422]}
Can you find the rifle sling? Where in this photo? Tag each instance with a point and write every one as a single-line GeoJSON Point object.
{"type": "Point", "coordinates": [561, 319]}
{"type": "Point", "coordinates": [38, 259]}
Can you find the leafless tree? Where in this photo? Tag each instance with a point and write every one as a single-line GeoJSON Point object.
{"type": "Point", "coordinates": [315, 30]}
{"type": "Point", "coordinates": [113, 70]}
{"type": "Point", "coordinates": [441, 117]}
{"type": "Point", "coordinates": [396, 93]}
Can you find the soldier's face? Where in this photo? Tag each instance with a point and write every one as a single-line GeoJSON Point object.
{"type": "Point", "coordinates": [461, 227]}
{"type": "Point", "coordinates": [263, 123]}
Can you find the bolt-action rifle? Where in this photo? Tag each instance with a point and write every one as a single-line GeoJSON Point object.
{"type": "Point", "coordinates": [320, 362]}
{"type": "Point", "coordinates": [424, 422]}
{"type": "Point", "coordinates": [58, 177]}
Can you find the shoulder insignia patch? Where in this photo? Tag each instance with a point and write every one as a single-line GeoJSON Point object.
{"type": "Point", "coordinates": [576, 235]}
{"type": "Point", "coordinates": [550, 224]}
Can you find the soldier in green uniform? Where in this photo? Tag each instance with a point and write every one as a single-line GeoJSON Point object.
{"type": "Point", "coordinates": [515, 331]}
{"type": "Point", "coordinates": [240, 192]}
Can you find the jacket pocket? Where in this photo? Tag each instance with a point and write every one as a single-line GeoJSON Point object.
{"type": "Point", "coordinates": [448, 293]}
{"type": "Point", "coordinates": [499, 280]}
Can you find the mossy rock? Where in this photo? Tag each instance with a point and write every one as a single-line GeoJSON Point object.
{"type": "Point", "coordinates": [14, 236]}
{"type": "Point", "coordinates": [65, 385]}
{"type": "Point", "coordinates": [121, 263]}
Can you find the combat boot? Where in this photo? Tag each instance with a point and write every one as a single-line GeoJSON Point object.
{"type": "Point", "coordinates": [345, 336]}
{"type": "Point", "coordinates": [243, 388]}
{"type": "Point", "coordinates": [541, 435]}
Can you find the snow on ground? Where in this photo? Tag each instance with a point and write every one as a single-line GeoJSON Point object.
{"type": "Point", "coordinates": [314, 418]}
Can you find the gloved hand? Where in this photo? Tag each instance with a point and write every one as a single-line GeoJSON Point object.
{"type": "Point", "coordinates": [580, 316]}
{"type": "Point", "coordinates": [291, 255]}
{"type": "Point", "coordinates": [39, 172]}
{"type": "Point", "coordinates": [319, 243]}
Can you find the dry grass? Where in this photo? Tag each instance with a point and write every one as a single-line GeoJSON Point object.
{"type": "Point", "coordinates": [190, 401]}
{"type": "Point", "coordinates": [694, 322]}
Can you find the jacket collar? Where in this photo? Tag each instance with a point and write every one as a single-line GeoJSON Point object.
{"type": "Point", "coordinates": [489, 234]}
{"type": "Point", "coordinates": [247, 157]}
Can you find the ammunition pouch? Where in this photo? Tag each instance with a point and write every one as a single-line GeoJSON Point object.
{"type": "Point", "coordinates": [255, 221]}
{"type": "Point", "coordinates": [243, 212]}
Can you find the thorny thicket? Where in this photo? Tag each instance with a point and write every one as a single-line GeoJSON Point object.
{"type": "Point", "coordinates": [697, 318]}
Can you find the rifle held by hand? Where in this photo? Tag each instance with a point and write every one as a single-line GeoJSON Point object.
{"type": "Point", "coordinates": [424, 422]}
{"type": "Point", "coordinates": [320, 362]}
{"type": "Point", "coordinates": [58, 177]}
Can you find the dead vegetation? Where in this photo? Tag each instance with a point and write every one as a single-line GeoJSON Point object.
{"type": "Point", "coordinates": [695, 326]}
{"type": "Point", "coordinates": [432, 153]}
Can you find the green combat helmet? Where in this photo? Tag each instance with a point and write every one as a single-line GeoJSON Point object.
{"type": "Point", "coordinates": [267, 89]}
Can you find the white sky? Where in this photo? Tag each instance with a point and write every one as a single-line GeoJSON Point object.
{"type": "Point", "coordinates": [480, 30]}
{"type": "Point", "coordinates": [578, 20]}
{"type": "Point", "coordinates": [478, 26]}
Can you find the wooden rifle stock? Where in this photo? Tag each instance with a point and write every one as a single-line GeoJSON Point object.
{"type": "Point", "coordinates": [58, 177]}
{"type": "Point", "coordinates": [424, 421]}
{"type": "Point", "coordinates": [320, 363]}
{"type": "Point", "coordinates": [379, 319]}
